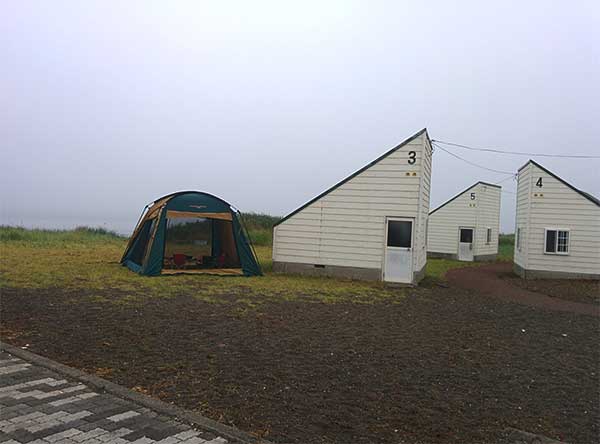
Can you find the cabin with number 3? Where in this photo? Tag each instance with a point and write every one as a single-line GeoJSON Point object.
{"type": "Point", "coordinates": [369, 226]}
{"type": "Point", "coordinates": [557, 227]}
{"type": "Point", "coordinates": [467, 226]}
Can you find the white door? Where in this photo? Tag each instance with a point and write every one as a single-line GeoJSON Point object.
{"type": "Point", "coordinates": [398, 251]}
{"type": "Point", "coordinates": [465, 244]}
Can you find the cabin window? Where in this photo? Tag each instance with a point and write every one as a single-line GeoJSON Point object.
{"type": "Point", "coordinates": [556, 241]}
{"type": "Point", "coordinates": [488, 236]}
{"type": "Point", "coordinates": [518, 241]}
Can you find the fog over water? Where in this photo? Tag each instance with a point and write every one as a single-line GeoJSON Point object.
{"type": "Point", "coordinates": [108, 105]}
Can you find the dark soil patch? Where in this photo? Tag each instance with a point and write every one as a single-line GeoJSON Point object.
{"type": "Point", "coordinates": [442, 366]}
{"type": "Point", "coordinates": [577, 290]}
{"type": "Point", "coordinates": [487, 280]}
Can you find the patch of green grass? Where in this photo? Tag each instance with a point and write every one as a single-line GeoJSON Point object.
{"type": "Point", "coordinates": [261, 236]}
{"type": "Point", "coordinates": [89, 260]}
{"type": "Point", "coordinates": [506, 247]}
{"type": "Point", "coordinates": [436, 269]}
{"type": "Point", "coordinates": [260, 227]}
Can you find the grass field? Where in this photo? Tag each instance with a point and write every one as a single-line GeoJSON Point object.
{"type": "Point", "coordinates": [88, 258]}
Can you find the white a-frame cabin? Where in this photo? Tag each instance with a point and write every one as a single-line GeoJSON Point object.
{"type": "Point", "coordinates": [369, 226]}
{"type": "Point", "coordinates": [466, 227]}
{"type": "Point", "coordinates": [557, 231]}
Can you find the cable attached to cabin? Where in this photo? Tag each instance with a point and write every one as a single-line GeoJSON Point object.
{"type": "Point", "coordinates": [517, 153]}
{"type": "Point", "coordinates": [469, 162]}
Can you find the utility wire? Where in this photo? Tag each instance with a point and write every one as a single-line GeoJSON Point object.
{"type": "Point", "coordinates": [471, 163]}
{"type": "Point", "coordinates": [517, 153]}
{"type": "Point", "coordinates": [512, 176]}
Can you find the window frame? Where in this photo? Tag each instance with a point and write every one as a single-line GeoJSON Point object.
{"type": "Point", "coordinates": [518, 240]}
{"type": "Point", "coordinates": [389, 223]}
{"type": "Point", "coordinates": [488, 235]}
{"type": "Point", "coordinates": [556, 237]}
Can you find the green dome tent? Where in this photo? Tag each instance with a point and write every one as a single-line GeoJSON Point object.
{"type": "Point", "coordinates": [190, 232]}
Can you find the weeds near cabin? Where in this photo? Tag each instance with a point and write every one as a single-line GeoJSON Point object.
{"type": "Point", "coordinates": [506, 247]}
{"type": "Point", "coordinates": [43, 237]}
{"type": "Point", "coordinates": [260, 227]}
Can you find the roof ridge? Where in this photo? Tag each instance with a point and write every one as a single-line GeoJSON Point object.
{"type": "Point", "coordinates": [356, 173]}
{"type": "Point", "coordinates": [461, 193]}
{"type": "Point", "coordinates": [582, 193]}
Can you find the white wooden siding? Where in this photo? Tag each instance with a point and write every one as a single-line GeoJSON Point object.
{"type": "Point", "coordinates": [488, 200]}
{"type": "Point", "coordinates": [346, 226]}
{"type": "Point", "coordinates": [556, 206]}
{"type": "Point", "coordinates": [423, 216]}
{"type": "Point", "coordinates": [481, 213]}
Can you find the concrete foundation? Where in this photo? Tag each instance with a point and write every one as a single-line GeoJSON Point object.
{"type": "Point", "coordinates": [419, 275]}
{"type": "Point", "coordinates": [478, 258]}
{"type": "Point", "coordinates": [485, 257]}
{"type": "Point", "coordinates": [544, 274]}
{"type": "Point", "coordinates": [363, 274]}
{"type": "Point", "coordinates": [436, 255]}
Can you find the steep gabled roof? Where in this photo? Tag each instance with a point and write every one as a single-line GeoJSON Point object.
{"type": "Point", "coordinates": [356, 173]}
{"type": "Point", "coordinates": [588, 196]}
{"type": "Point", "coordinates": [463, 192]}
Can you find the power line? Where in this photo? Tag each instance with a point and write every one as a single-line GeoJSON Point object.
{"type": "Point", "coordinates": [517, 153]}
{"type": "Point", "coordinates": [512, 176]}
{"type": "Point", "coordinates": [471, 163]}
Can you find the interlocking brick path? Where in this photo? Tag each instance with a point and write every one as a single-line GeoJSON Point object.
{"type": "Point", "coordinates": [39, 406]}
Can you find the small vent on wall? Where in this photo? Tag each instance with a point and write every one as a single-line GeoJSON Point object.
{"type": "Point", "coordinates": [319, 266]}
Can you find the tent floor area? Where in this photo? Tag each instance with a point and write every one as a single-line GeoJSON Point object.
{"type": "Point", "coordinates": [431, 364]}
{"type": "Point", "coordinates": [214, 271]}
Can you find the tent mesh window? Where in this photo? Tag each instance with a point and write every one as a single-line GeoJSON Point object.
{"type": "Point", "coordinates": [138, 250]}
{"type": "Point", "coordinates": [199, 243]}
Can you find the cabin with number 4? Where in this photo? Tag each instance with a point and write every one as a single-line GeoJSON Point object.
{"type": "Point", "coordinates": [557, 231]}
{"type": "Point", "coordinates": [369, 226]}
{"type": "Point", "coordinates": [466, 227]}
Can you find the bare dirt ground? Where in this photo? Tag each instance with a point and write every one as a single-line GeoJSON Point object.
{"type": "Point", "coordinates": [443, 365]}
{"type": "Point", "coordinates": [577, 290]}
{"type": "Point", "coordinates": [491, 280]}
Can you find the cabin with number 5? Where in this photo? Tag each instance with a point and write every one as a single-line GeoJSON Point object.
{"type": "Point", "coordinates": [557, 231]}
{"type": "Point", "coordinates": [369, 226]}
{"type": "Point", "coordinates": [466, 227]}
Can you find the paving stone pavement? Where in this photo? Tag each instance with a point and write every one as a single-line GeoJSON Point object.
{"type": "Point", "coordinates": [39, 406]}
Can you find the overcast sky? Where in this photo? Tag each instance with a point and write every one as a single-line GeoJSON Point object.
{"type": "Point", "coordinates": [105, 106]}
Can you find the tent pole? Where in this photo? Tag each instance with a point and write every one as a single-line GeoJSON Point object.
{"type": "Point", "coordinates": [134, 228]}
{"type": "Point", "coordinates": [140, 218]}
